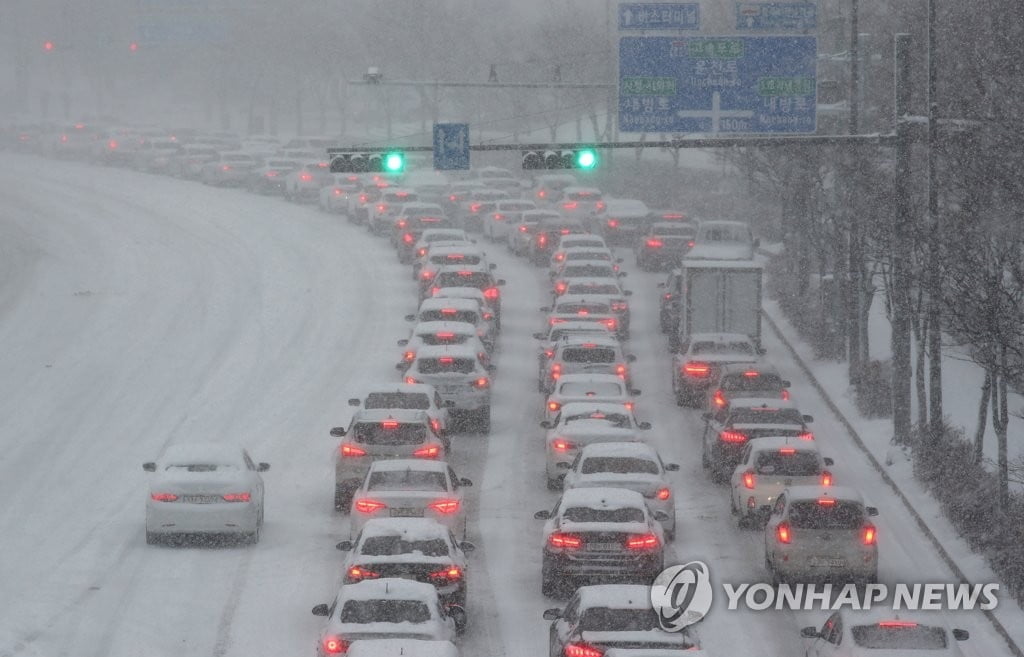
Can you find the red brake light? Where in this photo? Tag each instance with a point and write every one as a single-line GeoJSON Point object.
{"type": "Point", "coordinates": [273, 174]}
{"type": "Point", "coordinates": [542, 239]}
{"type": "Point", "coordinates": [427, 275]}
{"type": "Point", "coordinates": [629, 405]}
{"type": "Point", "coordinates": [475, 207]}
{"type": "Point", "coordinates": [523, 228]}
{"type": "Point", "coordinates": [782, 533]}
{"type": "Point", "coordinates": [732, 437]}
{"type": "Point", "coordinates": [749, 479]}
{"type": "Point", "coordinates": [422, 252]}
{"type": "Point", "coordinates": [352, 450]}
{"type": "Point", "coordinates": [619, 306]}
{"type": "Point", "coordinates": [444, 335]}
{"type": "Point", "coordinates": [498, 217]}
{"type": "Point", "coordinates": [571, 205]}
{"type": "Point", "coordinates": [560, 540]}
{"type": "Point", "coordinates": [691, 244]}
{"type": "Point", "coordinates": [826, 478]}
{"type": "Point", "coordinates": [610, 323]}
{"type": "Point", "coordinates": [305, 176]}
{"type": "Point", "coordinates": [599, 205]}
{"type": "Point", "coordinates": [869, 536]}
{"type": "Point", "coordinates": [785, 395]}
{"type": "Point", "coordinates": [448, 573]}
{"type": "Point", "coordinates": [112, 144]}
{"type": "Point", "coordinates": [553, 406]}
{"type": "Point", "coordinates": [410, 379]}
{"type": "Point", "coordinates": [562, 445]}
{"type": "Point", "coordinates": [752, 374]}
{"type": "Point", "coordinates": [663, 494]}
{"type": "Point", "coordinates": [620, 370]}
{"type": "Point", "coordinates": [670, 216]}
{"type": "Point", "coordinates": [564, 231]}
{"type": "Point", "coordinates": [581, 650]}
{"type": "Point", "coordinates": [407, 238]}
{"type": "Point", "coordinates": [389, 424]}
{"type": "Point", "coordinates": [164, 497]}
{"type": "Point", "coordinates": [444, 506]}
{"type": "Point", "coordinates": [542, 193]}
{"type": "Point", "coordinates": [357, 574]}
{"type": "Point", "coordinates": [719, 398]}
{"type": "Point", "coordinates": [434, 291]}
{"type": "Point", "coordinates": [897, 624]}
{"type": "Point", "coordinates": [369, 506]}
{"type": "Point", "coordinates": [226, 167]}
{"type": "Point", "coordinates": [362, 198]}
{"type": "Point", "coordinates": [435, 424]}
{"type": "Point", "coordinates": [482, 382]}
{"type": "Point", "coordinates": [826, 501]}
{"type": "Point", "coordinates": [613, 223]}
{"type": "Point", "coordinates": [806, 436]}
{"type": "Point", "coordinates": [401, 223]}
{"type": "Point", "coordinates": [642, 542]}
{"type": "Point", "coordinates": [446, 360]}
{"type": "Point", "coordinates": [428, 452]}
{"type": "Point", "coordinates": [787, 451]}
{"type": "Point", "coordinates": [237, 497]}
{"type": "Point", "coordinates": [492, 293]}
{"type": "Point", "coordinates": [410, 356]}
{"type": "Point", "coordinates": [453, 197]}
{"type": "Point", "coordinates": [334, 645]}
{"type": "Point", "coordinates": [465, 273]}
{"type": "Point", "coordinates": [560, 288]}
{"type": "Point", "coordinates": [697, 369]}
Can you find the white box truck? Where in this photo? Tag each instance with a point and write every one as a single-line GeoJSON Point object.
{"type": "Point", "coordinates": [720, 296]}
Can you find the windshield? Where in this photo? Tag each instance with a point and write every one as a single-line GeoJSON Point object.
{"type": "Point", "coordinates": [604, 619]}
{"type": "Point", "coordinates": [455, 259]}
{"type": "Point", "coordinates": [407, 479]}
{"type": "Point", "coordinates": [389, 433]}
{"type": "Point", "coordinates": [452, 315]}
{"type": "Point", "coordinates": [745, 383]}
{"type": "Point", "coordinates": [785, 463]}
{"type": "Point", "coordinates": [834, 515]}
{"type": "Point", "coordinates": [480, 280]}
{"type": "Point", "coordinates": [617, 420]}
{"type": "Point", "coordinates": [592, 288]}
{"type": "Point", "coordinates": [585, 271]}
{"type": "Point", "coordinates": [445, 365]}
{"type": "Point", "coordinates": [408, 400]}
{"type": "Point", "coordinates": [618, 465]}
{"type": "Point", "coordinates": [592, 355]}
{"type": "Point", "coordinates": [899, 635]}
{"type": "Point", "coordinates": [390, 546]}
{"type": "Point", "coordinates": [202, 467]}
{"type": "Point", "coordinates": [765, 416]}
{"type": "Point", "coordinates": [384, 611]}
{"type": "Point", "coordinates": [587, 514]}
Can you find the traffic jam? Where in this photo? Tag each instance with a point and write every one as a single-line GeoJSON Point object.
{"type": "Point", "coordinates": [613, 523]}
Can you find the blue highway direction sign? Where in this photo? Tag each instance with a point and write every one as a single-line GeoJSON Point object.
{"type": "Point", "coordinates": [451, 146]}
{"type": "Point", "coordinates": [722, 84]}
{"type": "Point", "coordinates": [659, 16]}
{"type": "Point", "coordinates": [777, 16]}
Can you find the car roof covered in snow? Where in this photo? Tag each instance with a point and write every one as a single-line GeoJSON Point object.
{"type": "Point", "coordinates": [392, 588]}
{"type": "Point", "coordinates": [583, 378]}
{"type": "Point", "coordinates": [410, 416]}
{"type": "Point", "coordinates": [841, 493]}
{"type": "Point", "coordinates": [455, 267]}
{"type": "Point", "coordinates": [430, 328]}
{"type": "Point", "coordinates": [402, 648]}
{"type": "Point", "coordinates": [615, 596]}
{"type": "Point", "coordinates": [412, 388]}
{"type": "Point", "coordinates": [440, 303]}
{"type": "Point", "coordinates": [472, 293]}
{"type": "Point", "coordinates": [620, 450]}
{"type": "Point", "coordinates": [192, 453]}
{"type": "Point", "coordinates": [771, 443]}
{"type": "Point", "coordinates": [411, 529]}
{"type": "Point", "coordinates": [571, 340]}
{"type": "Point", "coordinates": [761, 402]}
{"type": "Point", "coordinates": [602, 498]}
{"type": "Point", "coordinates": [441, 350]}
{"type": "Point", "coordinates": [397, 465]}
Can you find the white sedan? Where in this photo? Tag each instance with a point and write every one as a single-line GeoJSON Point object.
{"type": "Point", "coordinates": [205, 488]}
{"type": "Point", "coordinates": [410, 488]}
{"type": "Point", "coordinates": [402, 648]}
{"type": "Point", "coordinates": [869, 633]}
{"type": "Point", "coordinates": [595, 388]}
{"type": "Point", "coordinates": [581, 424]}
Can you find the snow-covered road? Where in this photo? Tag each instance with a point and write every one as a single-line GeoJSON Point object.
{"type": "Point", "coordinates": [136, 311]}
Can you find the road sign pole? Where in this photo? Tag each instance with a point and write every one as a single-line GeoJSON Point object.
{"type": "Point", "coordinates": [902, 247]}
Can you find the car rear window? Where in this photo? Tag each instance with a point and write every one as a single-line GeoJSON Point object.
{"type": "Point", "coordinates": [389, 546]}
{"type": "Point", "coordinates": [743, 383]}
{"type": "Point", "coordinates": [455, 259]}
{"type": "Point", "coordinates": [814, 515]}
{"type": "Point", "coordinates": [618, 465]}
{"type": "Point", "coordinates": [477, 279]}
{"type": "Point", "coordinates": [597, 389]}
{"type": "Point", "coordinates": [202, 467]}
{"type": "Point", "coordinates": [617, 420]}
{"type": "Point", "coordinates": [384, 611]}
{"type": "Point", "coordinates": [721, 348]}
{"type": "Point", "coordinates": [517, 207]}
{"type": "Point", "coordinates": [468, 316]}
{"type": "Point", "coordinates": [588, 255]}
{"type": "Point", "coordinates": [583, 196]}
{"type": "Point", "coordinates": [389, 433]}
{"type": "Point", "coordinates": [603, 619]}
{"type": "Point", "coordinates": [724, 234]}
{"type": "Point", "coordinates": [595, 308]}
{"type": "Point", "coordinates": [584, 271]}
{"type": "Point", "coordinates": [442, 237]}
{"type": "Point", "coordinates": [588, 355]}
{"type": "Point", "coordinates": [407, 479]}
{"type": "Point", "coordinates": [446, 365]}
{"type": "Point", "coordinates": [587, 514]}
{"type": "Point", "coordinates": [673, 231]}
{"type": "Point", "coordinates": [399, 197]}
{"type": "Point", "coordinates": [582, 242]}
{"type": "Point", "coordinates": [407, 400]}
{"type": "Point", "coordinates": [592, 288]}
{"type": "Point", "coordinates": [428, 221]}
{"type": "Point", "coordinates": [444, 337]}
{"type": "Point", "coordinates": [899, 635]}
{"type": "Point", "coordinates": [765, 416]}
{"type": "Point", "coordinates": [788, 464]}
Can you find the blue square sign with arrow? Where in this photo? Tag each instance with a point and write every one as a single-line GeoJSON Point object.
{"type": "Point", "coordinates": [721, 84]}
{"type": "Point", "coordinates": [451, 146]}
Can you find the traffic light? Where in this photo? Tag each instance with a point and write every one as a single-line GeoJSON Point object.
{"type": "Point", "coordinates": [578, 158]}
{"type": "Point", "coordinates": [48, 46]}
{"type": "Point", "coordinates": [368, 162]}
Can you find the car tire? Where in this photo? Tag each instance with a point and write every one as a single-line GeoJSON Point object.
{"type": "Point", "coordinates": [342, 499]}
{"type": "Point", "coordinates": [152, 538]}
{"type": "Point", "coordinates": [555, 484]}
{"type": "Point", "coordinates": [670, 535]}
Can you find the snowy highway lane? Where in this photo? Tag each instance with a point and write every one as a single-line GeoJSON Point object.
{"type": "Point", "coordinates": [138, 311]}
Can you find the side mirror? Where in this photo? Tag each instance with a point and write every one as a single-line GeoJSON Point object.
{"type": "Point", "coordinates": [149, 467]}
{"type": "Point", "coordinates": [671, 467]}
{"type": "Point", "coordinates": [542, 515]}
{"type": "Point", "coordinates": [786, 384]}
{"type": "Point", "coordinates": [402, 343]}
{"type": "Point", "coordinates": [562, 465]}
{"type": "Point", "coordinates": [829, 462]}
{"type": "Point", "coordinates": [630, 358]}
{"type": "Point", "coordinates": [354, 402]}
{"type": "Point", "coordinates": [661, 516]}
{"type": "Point", "coordinates": [400, 366]}
{"type": "Point", "coordinates": [344, 546]}
{"type": "Point", "coordinates": [465, 482]}
{"type": "Point", "coordinates": [493, 266]}
{"type": "Point", "coordinates": [492, 369]}
{"type": "Point", "coordinates": [707, 416]}
{"type": "Point", "coordinates": [644, 426]}
{"type": "Point", "coordinates": [410, 318]}
{"type": "Point", "coordinates": [543, 309]}
{"type": "Point", "coordinates": [635, 392]}
{"type": "Point", "coordinates": [539, 336]}
{"type": "Point", "coordinates": [552, 614]}
{"type": "Point", "coordinates": [545, 424]}
{"type": "Point", "coordinates": [809, 633]}
{"type": "Point", "coordinates": [321, 610]}
{"type": "Point", "coordinates": [961, 635]}
{"type": "Point", "coordinates": [627, 293]}
{"type": "Point", "coordinates": [466, 546]}
{"type": "Point", "coordinates": [661, 285]}
{"type": "Point", "coordinates": [338, 432]}
{"type": "Point", "coordinates": [262, 467]}
{"type": "Point", "coordinates": [808, 418]}
{"type": "Point", "coordinates": [500, 282]}
{"type": "Point", "coordinates": [872, 511]}
{"type": "Point", "coordinates": [458, 616]}
{"type": "Point", "coordinates": [761, 351]}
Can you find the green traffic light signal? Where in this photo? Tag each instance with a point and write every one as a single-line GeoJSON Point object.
{"type": "Point", "coordinates": [586, 159]}
{"type": "Point", "coordinates": [394, 162]}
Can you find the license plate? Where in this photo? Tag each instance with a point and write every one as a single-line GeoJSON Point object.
{"type": "Point", "coordinates": [787, 482]}
{"type": "Point", "coordinates": [200, 499]}
{"type": "Point", "coordinates": [406, 513]}
{"type": "Point", "coordinates": [604, 547]}
{"type": "Point", "coordinates": [450, 389]}
{"type": "Point", "coordinates": [820, 562]}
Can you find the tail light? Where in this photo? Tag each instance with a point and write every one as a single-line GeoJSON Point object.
{"type": "Point", "coordinates": [492, 293]}
{"type": "Point", "coordinates": [571, 205]}
{"type": "Point", "coordinates": [643, 542]}
{"type": "Point", "coordinates": [524, 228]}
{"type": "Point", "coordinates": [363, 198]}
{"type": "Point", "coordinates": [560, 256]}
{"type": "Point", "coordinates": [63, 138]}
{"type": "Point", "coordinates": [453, 197]}
{"type": "Point", "coordinates": [389, 424]}
{"type": "Point", "coordinates": [452, 573]}
{"type": "Point", "coordinates": [613, 223]}
{"type": "Point", "coordinates": [401, 223]}
{"type": "Point", "coordinates": [410, 380]}
{"type": "Point", "coordinates": [562, 445]}
{"type": "Point", "coordinates": [427, 275]}
{"type": "Point", "coordinates": [553, 406]}
{"type": "Point", "coordinates": [897, 624]}
{"type": "Point", "coordinates": [334, 645]}
{"type": "Point", "coordinates": [369, 506]}
{"type": "Point", "coordinates": [663, 494]}
{"type": "Point", "coordinates": [599, 206]}
{"type": "Point", "coordinates": [435, 424]}
{"type": "Point", "coordinates": [564, 231]}
{"type": "Point", "coordinates": [620, 370]}
{"type": "Point", "coordinates": [163, 497]}
{"type": "Point", "coordinates": [351, 451]}
{"type": "Point", "coordinates": [655, 244]}
{"type": "Point", "coordinates": [581, 650]}
{"type": "Point", "coordinates": [422, 252]}
{"type": "Point", "coordinates": [807, 435]}
{"type": "Point", "coordinates": [826, 501]}
{"type": "Point", "coordinates": [691, 244]}
{"type": "Point", "coordinates": [752, 374]}
{"type": "Point", "coordinates": [488, 316]}
{"type": "Point", "coordinates": [410, 356]}
{"type": "Point", "coordinates": [542, 193]}
{"type": "Point", "coordinates": [696, 369]}
{"type": "Point", "coordinates": [482, 382]}
{"type": "Point", "coordinates": [550, 353]}
{"type": "Point", "coordinates": [358, 574]}
{"type": "Point", "coordinates": [542, 240]}
{"type": "Point", "coordinates": [610, 323]}
{"type": "Point", "coordinates": [556, 371]}
{"type": "Point", "coordinates": [499, 217]}
{"type": "Point", "coordinates": [826, 478]}
{"type": "Point", "coordinates": [719, 398]}
{"type": "Point", "coordinates": [444, 335]}
{"type": "Point", "coordinates": [787, 451]}
{"type": "Point", "coordinates": [225, 168]}
{"type": "Point", "coordinates": [732, 437]}
{"type": "Point", "coordinates": [785, 395]}
{"type": "Point", "coordinates": [407, 238]}
{"type": "Point", "coordinates": [749, 479]}
{"type": "Point", "coordinates": [619, 306]}
{"type": "Point", "coordinates": [428, 452]}
{"type": "Point", "coordinates": [560, 287]}
{"type": "Point", "coordinates": [474, 207]}
{"type": "Point", "coordinates": [566, 541]}
{"type": "Point", "coordinates": [305, 177]}
{"type": "Point", "coordinates": [782, 533]}
{"type": "Point", "coordinates": [629, 405]}
{"type": "Point", "coordinates": [381, 208]}
{"type": "Point", "coordinates": [444, 506]}
{"type": "Point", "coordinates": [237, 497]}
{"type": "Point", "coordinates": [667, 296]}
{"type": "Point", "coordinates": [868, 535]}
{"type": "Point", "coordinates": [112, 144]}
{"type": "Point", "coordinates": [273, 174]}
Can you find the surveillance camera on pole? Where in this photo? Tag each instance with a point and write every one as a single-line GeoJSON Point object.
{"type": "Point", "coordinates": [373, 75]}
